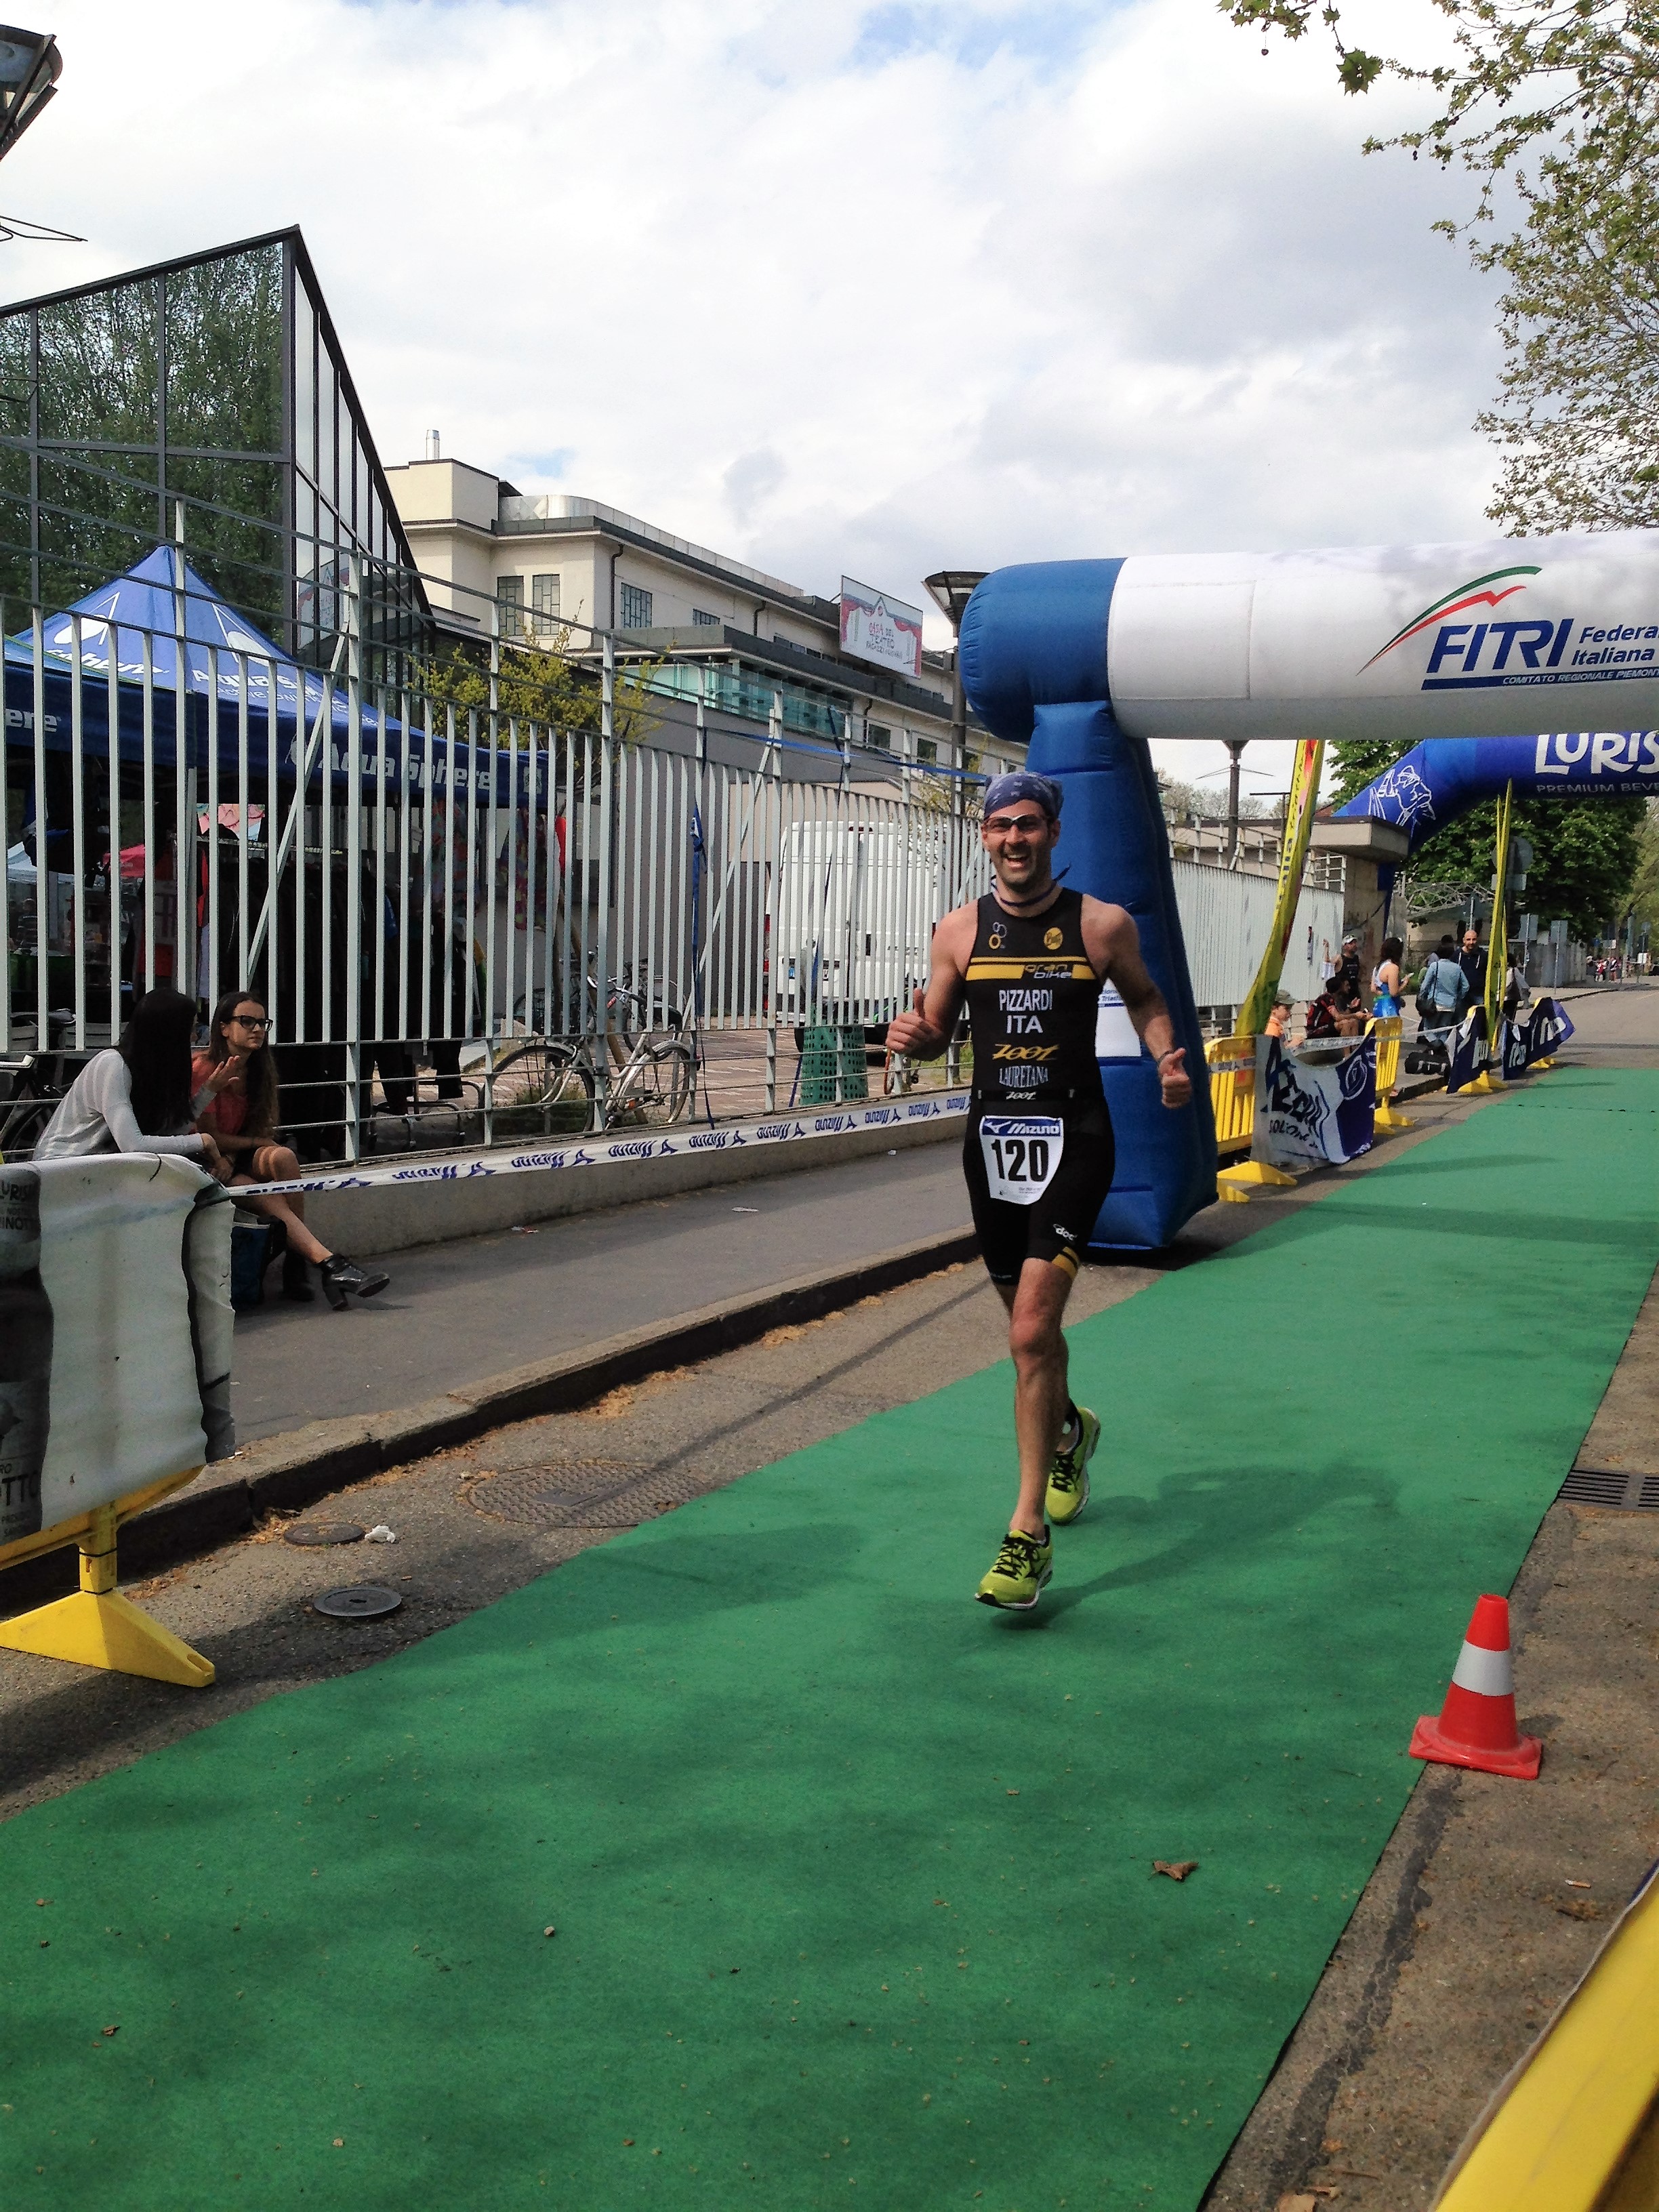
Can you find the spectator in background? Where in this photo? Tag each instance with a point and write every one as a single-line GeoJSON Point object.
{"type": "Point", "coordinates": [1517, 992]}
{"type": "Point", "coordinates": [1326, 1013]}
{"type": "Point", "coordinates": [1472, 961]}
{"type": "Point", "coordinates": [234, 1098]}
{"type": "Point", "coordinates": [1348, 966]}
{"type": "Point", "coordinates": [1443, 990]}
{"type": "Point", "coordinates": [1279, 1016]}
{"type": "Point", "coordinates": [1388, 993]}
{"type": "Point", "coordinates": [136, 1097]}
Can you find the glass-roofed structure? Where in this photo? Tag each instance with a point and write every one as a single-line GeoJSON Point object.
{"type": "Point", "coordinates": [206, 398]}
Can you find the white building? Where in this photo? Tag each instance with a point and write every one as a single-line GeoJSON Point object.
{"type": "Point", "coordinates": [561, 567]}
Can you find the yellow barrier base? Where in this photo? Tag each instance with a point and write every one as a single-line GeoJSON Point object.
{"type": "Point", "coordinates": [99, 1627]}
{"type": "Point", "coordinates": [1483, 1086]}
{"type": "Point", "coordinates": [1388, 1118]}
{"type": "Point", "coordinates": [102, 1628]}
{"type": "Point", "coordinates": [1227, 1194]}
{"type": "Point", "coordinates": [1257, 1172]}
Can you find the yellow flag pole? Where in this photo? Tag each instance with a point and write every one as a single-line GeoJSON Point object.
{"type": "Point", "coordinates": [1292, 861]}
{"type": "Point", "coordinates": [1497, 947]}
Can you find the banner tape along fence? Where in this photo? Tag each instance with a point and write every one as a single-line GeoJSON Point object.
{"type": "Point", "coordinates": [587, 1151]}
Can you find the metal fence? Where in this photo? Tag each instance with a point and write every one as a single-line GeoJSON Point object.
{"type": "Point", "coordinates": [468, 924]}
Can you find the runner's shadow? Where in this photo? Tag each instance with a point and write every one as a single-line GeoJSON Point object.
{"type": "Point", "coordinates": [1207, 1517]}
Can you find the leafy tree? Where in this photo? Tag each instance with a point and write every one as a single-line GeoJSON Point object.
{"type": "Point", "coordinates": [1585, 852]}
{"type": "Point", "coordinates": [1573, 86]}
{"type": "Point", "coordinates": [1644, 891]}
{"type": "Point", "coordinates": [539, 683]}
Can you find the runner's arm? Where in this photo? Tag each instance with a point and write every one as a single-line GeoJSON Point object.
{"type": "Point", "coordinates": [1114, 945]}
{"type": "Point", "coordinates": [924, 1032]}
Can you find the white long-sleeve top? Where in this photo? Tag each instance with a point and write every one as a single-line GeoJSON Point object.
{"type": "Point", "coordinates": [96, 1116]}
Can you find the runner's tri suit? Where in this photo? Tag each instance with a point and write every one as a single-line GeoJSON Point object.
{"type": "Point", "coordinates": [1038, 1154]}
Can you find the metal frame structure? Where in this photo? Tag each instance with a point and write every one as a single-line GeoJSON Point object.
{"type": "Point", "coordinates": [412, 884]}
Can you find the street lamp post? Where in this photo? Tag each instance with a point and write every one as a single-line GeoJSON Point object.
{"type": "Point", "coordinates": [1236, 754]}
{"type": "Point", "coordinates": [951, 589]}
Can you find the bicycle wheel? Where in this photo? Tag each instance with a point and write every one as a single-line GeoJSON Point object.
{"type": "Point", "coordinates": [655, 1087]}
{"type": "Point", "coordinates": [674, 1075]}
{"type": "Point", "coordinates": [24, 1126]}
{"type": "Point", "coordinates": [543, 1090]}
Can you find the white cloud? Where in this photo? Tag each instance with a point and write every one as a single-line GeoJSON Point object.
{"type": "Point", "coordinates": [830, 286]}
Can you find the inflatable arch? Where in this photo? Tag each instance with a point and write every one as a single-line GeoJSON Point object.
{"type": "Point", "coordinates": [1437, 780]}
{"type": "Point", "coordinates": [1087, 660]}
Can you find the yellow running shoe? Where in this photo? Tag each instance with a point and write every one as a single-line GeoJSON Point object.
{"type": "Point", "coordinates": [1021, 1568]}
{"type": "Point", "coordinates": [1068, 1478]}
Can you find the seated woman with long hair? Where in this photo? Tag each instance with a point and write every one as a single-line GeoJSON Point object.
{"type": "Point", "coordinates": [137, 1096]}
{"type": "Point", "coordinates": [234, 1086]}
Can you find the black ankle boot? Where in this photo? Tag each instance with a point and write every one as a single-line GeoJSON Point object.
{"type": "Point", "coordinates": [297, 1279]}
{"type": "Point", "coordinates": [340, 1275]}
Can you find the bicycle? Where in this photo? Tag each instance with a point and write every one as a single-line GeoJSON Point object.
{"type": "Point", "coordinates": [552, 1085]}
{"type": "Point", "coordinates": [37, 1084]}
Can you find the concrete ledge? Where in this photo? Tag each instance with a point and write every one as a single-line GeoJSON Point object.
{"type": "Point", "coordinates": [289, 1472]}
{"type": "Point", "coordinates": [394, 1216]}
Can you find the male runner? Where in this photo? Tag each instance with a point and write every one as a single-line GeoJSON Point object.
{"type": "Point", "coordinates": [1030, 958]}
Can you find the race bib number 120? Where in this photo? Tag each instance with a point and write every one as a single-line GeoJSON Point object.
{"type": "Point", "coordinates": [1022, 1152]}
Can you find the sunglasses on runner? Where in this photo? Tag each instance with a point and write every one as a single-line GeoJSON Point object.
{"type": "Point", "coordinates": [1026, 826]}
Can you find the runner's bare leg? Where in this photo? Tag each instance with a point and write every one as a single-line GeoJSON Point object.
{"type": "Point", "coordinates": [1036, 1306]}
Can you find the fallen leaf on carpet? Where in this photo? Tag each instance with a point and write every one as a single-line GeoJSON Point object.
{"type": "Point", "coordinates": [1178, 1869]}
{"type": "Point", "coordinates": [1579, 1908]}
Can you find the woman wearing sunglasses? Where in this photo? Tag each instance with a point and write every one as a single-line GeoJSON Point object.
{"type": "Point", "coordinates": [234, 1096]}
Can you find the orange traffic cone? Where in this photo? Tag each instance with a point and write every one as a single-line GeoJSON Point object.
{"type": "Point", "coordinates": [1476, 1726]}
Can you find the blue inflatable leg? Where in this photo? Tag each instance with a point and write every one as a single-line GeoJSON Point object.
{"type": "Point", "coordinates": [1114, 845]}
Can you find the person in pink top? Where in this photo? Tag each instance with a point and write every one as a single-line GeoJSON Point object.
{"type": "Point", "coordinates": [233, 1099]}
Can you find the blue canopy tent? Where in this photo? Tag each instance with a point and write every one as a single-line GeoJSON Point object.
{"type": "Point", "coordinates": [218, 644]}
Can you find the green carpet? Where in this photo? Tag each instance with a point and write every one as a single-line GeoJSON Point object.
{"type": "Point", "coordinates": [852, 1878]}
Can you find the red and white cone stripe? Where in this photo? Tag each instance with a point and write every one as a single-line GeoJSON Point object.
{"type": "Point", "coordinates": [1477, 1725]}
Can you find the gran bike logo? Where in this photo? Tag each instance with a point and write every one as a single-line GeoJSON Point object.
{"type": "Point", "coordinates": [1484, 655]}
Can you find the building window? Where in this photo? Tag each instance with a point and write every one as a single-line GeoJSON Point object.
{"type": "Point", "coordinates": [509, 596]}
{"type": "Point", "coordinates": [705, 620]}
{"type": "Point", "coordinates": [927, 749]}
{"type": "Point", "coordinates": [633, 607]}
{"type": "Point", "coordinates": [881, 740]}
{"type": "Point", "coordinates": [544, 604]}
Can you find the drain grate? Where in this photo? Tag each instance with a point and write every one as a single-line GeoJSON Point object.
{"type": "Point", "coordinates": [583, 1494]}
{"type": "Point", "coordinates": [1612, 1487]}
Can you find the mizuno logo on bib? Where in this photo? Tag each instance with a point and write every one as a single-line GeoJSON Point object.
{"type": "Point", "coordinates": [1022, 1152]}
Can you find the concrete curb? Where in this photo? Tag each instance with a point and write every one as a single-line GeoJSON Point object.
{"type": "Point", "coordinates": [295, 1469]}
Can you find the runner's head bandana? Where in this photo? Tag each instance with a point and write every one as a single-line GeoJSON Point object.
{"type": "Point", "coordinates": [1020, 783]}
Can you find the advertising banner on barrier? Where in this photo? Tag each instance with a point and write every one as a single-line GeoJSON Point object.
{"type": "Point", "coordinates": [1466, 1050]}
{"type": "Point", "coordinates": [1317, 1106]}
{"type": "Point", "coordinates": [1547, 1031]}
{"type": "Point", "coordinates": [116, 1344]}
{"type": "Point", "coordinates": [1512, 1048]}
{"type": "Point", "coordinates": [684, 1138]}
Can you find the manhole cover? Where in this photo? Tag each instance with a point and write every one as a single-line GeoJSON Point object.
{"type": "Point", "coordinates": [357, 1602]}
{"type": "Point", "coordinates": [323, 1532]}
{"type": "Point", "coordinates": [579, 1493]}
{"type": "Point", "coordinates": [1612, 1487]}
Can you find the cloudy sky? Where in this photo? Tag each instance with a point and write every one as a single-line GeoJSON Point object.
{"type": "Point", "coordinates": [832, 286]}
